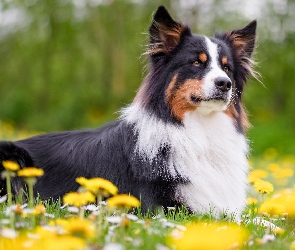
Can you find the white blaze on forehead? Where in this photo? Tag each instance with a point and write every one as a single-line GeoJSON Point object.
{"type": "Point", "coordinates": [214, 66]}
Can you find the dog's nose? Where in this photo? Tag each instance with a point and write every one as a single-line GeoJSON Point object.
{"type": "Point", "coordinates": [223, 84]}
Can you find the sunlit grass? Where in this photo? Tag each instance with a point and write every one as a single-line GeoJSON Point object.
{"type": "Point", "coordinates": [268, 220]}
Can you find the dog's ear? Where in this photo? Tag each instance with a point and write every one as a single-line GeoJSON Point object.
{"type": "Point", "coordinates": [242, 40]}
{"type": "Point", "coordinates": [165, 33]}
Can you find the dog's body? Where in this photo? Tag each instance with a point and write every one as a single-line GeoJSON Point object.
{"type": "Point", "coordinates": [182, 139]}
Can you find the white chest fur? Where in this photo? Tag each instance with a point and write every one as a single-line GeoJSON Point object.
{"type": "Point", "coordinates": [207, 150]}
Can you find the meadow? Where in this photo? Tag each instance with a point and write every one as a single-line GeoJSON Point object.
{"type": "Point", "coordinates": [98, 217]}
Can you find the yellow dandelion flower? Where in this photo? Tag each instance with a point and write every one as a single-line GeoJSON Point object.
{"type": "Point", "coordinates": [278, 231]}
{"type": "Point", "coordinates": [251, 201]}
{"type": "Point", "coordinates": [293, 246]}
{"type": "Point", "coordinates": [98, 186]}
{"type": "Point", "coordinates": [45, 233]}
{"type": "Point", "coordinates": [210, 236]}
{"type": "Point", "coordinates": [81, 180]}
{"type": "Point", "coordinates": [253, 179]}
{"type": "Point", "coordinates": [258, 173]}
{"type": "Point", "coordinates": [272, 207]}
{"type": "Point", "coordinates": [64, 242]}
{"type": "Point", "coordinates": [123, 200]}
{"type": "Point", "coordinates": [263, 187]}
{"type": "Point", "coordinates": [283, 173]}
{"type": "Point", "coordinates": [78, 199]}
{"type": "Point", "coordinates": [273, 167]}
{"type": "Point", "coordinates": [39, 209]}
{"type": "Point", "coordinates": [10, 165]}
{"type": "Point", "coordinates": [30, 172]}
{"type": "Point", "coordinates": [290, 206]}
{"type": "Point", "coordinates": [79, 228]}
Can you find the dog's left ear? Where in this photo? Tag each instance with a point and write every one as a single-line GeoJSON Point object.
{"type": "Point", "coordinates": [243, 40]}
{"type": "Point", "coordinates": [165, 33]}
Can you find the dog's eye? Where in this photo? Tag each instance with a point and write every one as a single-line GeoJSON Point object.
{"type": "Point", "coordinates": [226, 68]}
{"type": "Point", "coordinates": [196, 63]}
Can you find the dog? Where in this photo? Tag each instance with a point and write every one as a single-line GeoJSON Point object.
{"type": "Point", "coordinates": [181, 142]}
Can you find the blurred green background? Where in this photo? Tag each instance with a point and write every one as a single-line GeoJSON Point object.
{"type": "Point", "coordinates": [73, 64]}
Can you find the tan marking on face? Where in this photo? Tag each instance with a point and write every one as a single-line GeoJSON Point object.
{"type": "Point", "coordinates": [241, 117]}
{"type": "Point", "coordinates": [179, 99]}
{"type": "Point", "coordinates": [232, 112]}
{"type": "Point", "coordinates": [203, 57]}
{"type": "Point", "coordinates": [244, 118]}
{"type": "Point", "coordinates": [224, 60]}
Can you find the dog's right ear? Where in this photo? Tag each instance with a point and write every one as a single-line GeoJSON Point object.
{"type": "Point", "coordinates": [165, 34]}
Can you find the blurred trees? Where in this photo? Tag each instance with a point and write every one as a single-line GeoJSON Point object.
{"type": "Point", "coordinates": [71, 64]}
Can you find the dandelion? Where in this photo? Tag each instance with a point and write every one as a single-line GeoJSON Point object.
{"type": "Point", "coordinates": [30, 174]}
{"type": "Point", "coordinates": [263, 187]}
{"type": "Point", "coordinates": [10, 165]}
{"type": "Point", "coordinates": [259, 173]}
{"type": "Point", "coordinates": [98, 186]}
{"type": "Point", "coordinates": [39, 209]}
{"type": "Point", "coordinates": [282, 174]}
{"type": "Point", "coordinates": [79, 199]}
{"type": "Point", "coordinates": [8, 173]}
{"type": "Point", "coordinates": [64, 242]}
{"type": "Point", "coordinates": [251, 201]}
{"type": "Point", "coordinates": [273, 167]}
{"type": "Point", "coordinates": [123, 200]}
{"type": "Point", "coordinates": [293, 246]}
{"type": "Point", "coordinates": [78, 227]}
{"type": "Point", "coordinates": [290, 206]}
{"type": "Point", "coordinates": [272, 208]}
{"type": "Point", "coordinates": [203, 236]}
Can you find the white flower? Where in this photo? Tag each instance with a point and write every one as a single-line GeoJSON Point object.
{"type": "Point", "coordinates": [157, 216]}
{"type": "Point", "coordinates": [161, 247]}
{"type": "Point", "coordinates": [113, 246]}
{"type": "Point", "coordinates": [140, 221]}
{"type": "Point", "coordinates": [73, 209]}
{"type": "Point", "coordinates": [268, 238]}
{"type": "Point", "coordinates": [96, 213]}
{"type": "Point", "coordinates": [49, 215]}
{"type": "Point", "coordinates": [171, 208]}
{"type": "Point", "coordinates": [168, 224]}
{"type": "Point", "coordinates": [181, 227]}
{"type": "Point", "coordinates": [3, 198]}
{"type": "Point", "coordinates": [9, 233]}
{"type": "Point", "coordinates": [28, 211]}
{"type": "Point", "coordinates": [261, 222]}
{"type": "Point", "coordinates": [91, 207]}
{"type": "Point", "coordinates": [114, 219]}
{"type": "Point", "coordinates": [132, 217]}
{"type": "Point", "coordinates": [5, 221]}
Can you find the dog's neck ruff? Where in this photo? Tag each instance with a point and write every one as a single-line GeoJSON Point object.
{"type": "Point", "coordinates": [207, 150]}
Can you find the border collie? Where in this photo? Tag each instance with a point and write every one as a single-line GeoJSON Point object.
{"type": "Point", "coordinates": [180, 142]}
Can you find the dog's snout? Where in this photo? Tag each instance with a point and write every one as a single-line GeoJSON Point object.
{"type": "Point", "coordinates": [223, 84]}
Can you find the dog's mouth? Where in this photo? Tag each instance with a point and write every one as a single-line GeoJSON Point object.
{"type": "Point", "coordinates": [217, 98]}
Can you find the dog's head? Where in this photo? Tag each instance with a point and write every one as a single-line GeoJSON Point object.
{"type": "Point", "coordinates": [196, 73]}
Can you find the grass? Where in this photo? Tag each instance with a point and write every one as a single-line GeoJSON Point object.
{"type": "Point", "coordinates": [59, 226]}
